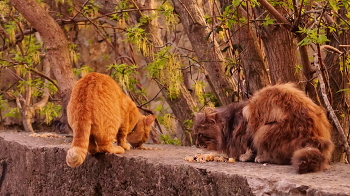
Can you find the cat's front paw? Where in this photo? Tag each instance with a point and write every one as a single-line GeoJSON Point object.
{"type": "Point", "coordinates": [126, 146]}
{"type": "Point", "coordinates": [246, 157]}
{"type": "Point", "coordinates": [260, 159]}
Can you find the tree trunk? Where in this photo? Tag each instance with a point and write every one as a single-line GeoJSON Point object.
{"type": "Point", "coordinates": [252, 57]}
{"type": "Point", "coordinates": [183, 105]}
{"type": "Point", "coordinates": [206, 48]}
{"type": "Point", "coordinates": [56, 45]}
{"type": "Point", "coordinates": [182, 108]}
{"type": "Point", "coordinates": [338, 80]}
{"type": "Point", "coordinates": [303, 50]}
{"type": "Point", "coordinates": [252, 60]}
{"type": "Point", "coordinates": [281, 52]}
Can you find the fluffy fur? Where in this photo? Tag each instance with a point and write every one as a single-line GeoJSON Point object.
{"type": "Point", "coordinates": [288, 127]}
{"type": "Point", "coordinates": [280, 125]}
{"type": "Point", "coordinates": [223, 129]}
{"type": "Point", "coordinates": [98, 112]}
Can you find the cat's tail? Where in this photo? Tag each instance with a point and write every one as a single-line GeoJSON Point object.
{"type": "Point", "coordinates": [312, 159]}
{"type": "Point", "coordinates": [77, 153]}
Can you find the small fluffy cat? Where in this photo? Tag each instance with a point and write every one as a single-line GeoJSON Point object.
{"type": "Point", "coordinates": [98, 112]}
{"type": "Point", "coordinates": [280, 125]}
{"type": "Point", "coordinates": [289, 128]}
{"type": "Point", "coordinates": [223, 129]}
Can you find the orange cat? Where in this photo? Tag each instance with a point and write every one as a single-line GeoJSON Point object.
{"type": "Point", "coordinates": [98, 112]}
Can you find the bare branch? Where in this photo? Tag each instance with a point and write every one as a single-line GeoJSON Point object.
{"type": "Point", "coordinates": [329, 107]}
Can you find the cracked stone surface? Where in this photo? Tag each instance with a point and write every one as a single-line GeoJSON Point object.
{"type": "Point", "coordinates": [36, 166]}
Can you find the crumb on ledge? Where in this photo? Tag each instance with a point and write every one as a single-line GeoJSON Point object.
{"type": "Point", "coordinates": [202, 158]}
{"type": "Point", "coordinates": [46, 135]}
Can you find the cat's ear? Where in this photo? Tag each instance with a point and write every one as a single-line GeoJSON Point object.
{"type": "Point", "coordinates": [149, 120]}
{"type": "Point", "coordinates": [210, 115]}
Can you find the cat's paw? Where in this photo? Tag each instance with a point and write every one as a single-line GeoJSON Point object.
{"type": "Point", "coordinates": [247, 156]}
{"type": "Point", "coordinates": [244, 157]}
{"type": "Point", "coordinates": [117, 150]}
{"type": "Point", "coordinates": [126, 146]}
{"type": "Point", "coordinates": [260, 159]}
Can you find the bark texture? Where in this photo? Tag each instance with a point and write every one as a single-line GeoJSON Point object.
{"type": "Point", "coordinates": [338, 80]}
{"type": "Point", "coordinates": [205, 47]}
{"type": "Point", "coordinates": [281, 52]}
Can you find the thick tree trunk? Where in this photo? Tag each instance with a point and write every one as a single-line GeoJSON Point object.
{"type": "Point", "coordinates": [56, 45]}
{"type": "Point", "coordinates": [183, 105]}
{"type": "Point", "coordinates": [182, 108]}
{"type": "Point", "coordinates": [338, 81]}
{"type": "Point", "coordinates": [280, 48]}
{"type": "Point", "coordinates": [205, 47]}
{"type": "Point", "coordinates": [304, 57]}
{"type": "Point", "coordinates": [252, 57]}
{"type": "Point", "coordinates": [252, 60]}
{"type": "Point", "coordinates": [281, 51]}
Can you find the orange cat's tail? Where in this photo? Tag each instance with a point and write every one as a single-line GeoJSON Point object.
{"type": "Point", "coordinates": [77, 153]}
{"type": "Point", "coordinates": [311, 159]}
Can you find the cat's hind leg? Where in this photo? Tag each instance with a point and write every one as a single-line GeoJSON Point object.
{"type": "Point", "coordinates": [92, 149]}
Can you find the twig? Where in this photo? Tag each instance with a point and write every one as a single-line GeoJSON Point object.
{"type": "Point", "coordinates": [140, 106]}
{"type": "Point", "coordinates": [30, 69]}
{"type": "Point", "coordinates": [297, 13]}
{"type": "Point", "coordinates": [329, 107]}
{"type": "Point", "coordinates": [82, 7]}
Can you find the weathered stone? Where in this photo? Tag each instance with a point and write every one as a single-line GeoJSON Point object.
{"type": "Point", "coordinates": [36, 166]}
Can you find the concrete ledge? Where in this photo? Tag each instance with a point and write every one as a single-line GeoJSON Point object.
{"type": "Point", "coordinates": [36, 166]}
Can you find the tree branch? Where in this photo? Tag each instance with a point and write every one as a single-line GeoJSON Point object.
{"type": "Point", "coordinates": [329, 107]}
{"type": "Point", "coordinates": [276, 14]}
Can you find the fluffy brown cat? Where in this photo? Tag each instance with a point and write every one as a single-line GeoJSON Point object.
{"type": "Point", "coordinates": [288, 127]}
{"type": "Point", "coordinates": [280, 125]}
{"type": "Point", "coordinates": [223, 129]}
{"type": "Point", "coordinates": [98, 112]}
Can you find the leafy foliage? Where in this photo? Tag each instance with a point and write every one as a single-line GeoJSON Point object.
{"type": "Point", "coordinates": [50, 111]}
{"type": "Point", "coordinates": [124, 74]}
{"type": "Point", "coordinates": [167, 69]}
{"type": "Point", "coordinates": [167, 139]}
{"type": "Point", "coordinates": [138, 36]}
{"type": "Point", "coordinates": [316, 36]}
{"type": "Point", "coordinates": [170, 18]}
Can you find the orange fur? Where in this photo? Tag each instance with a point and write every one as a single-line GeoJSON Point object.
{"type": "Point", "coordinates": [98, 112]}
{"type": "Point", "coordinates": [141, 133]}
{"type": "Point", "coordinates": [288, 127]}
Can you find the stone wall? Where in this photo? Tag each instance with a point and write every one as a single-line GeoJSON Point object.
{"type": "Point", "coordinates": [36, 166]}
